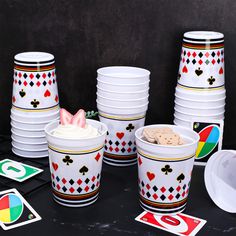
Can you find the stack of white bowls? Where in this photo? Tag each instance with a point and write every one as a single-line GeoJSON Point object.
{"type": "Point", "coordinates": [35, 103]}
{"type": "Point", "coordinates": [200, 93]}
{"type": "Point", "coordinates": [122, 102]}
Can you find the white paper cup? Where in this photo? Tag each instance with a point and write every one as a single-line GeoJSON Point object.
{"type": "Point", "coordinates": [76, 165]}
{"type": "Point", "coordinates": [123, 75]}
{"type": "Point", "coordinates": [199, 103]}
{"type": "Point", "coordinates": [122, 110]}
{"type": "Point", "coordinates": [34, 119]}
{"type": "Point", "coordinates": [120, 147]}
{"type": "Point", "coordinates": [122, 102]}
{"type": "Point", "coordinates": [29, 146]}
{"type": "Point", "coordinates": [123, 95]}
{"type": "Point", "coordinates": [164, 172]}
{"type": "Point", "coordinates": [200, 95]}
{"type": "Point", "coordinates": [188, 116]}
{"type": "Point", "coordinates": [29, 140]}
{"type": "Point", "coordinates": [29, 154]}
{"type": "Point", "coordinates": [199, 111]}
{"type": "Point", "coordinates": [27, 133]}
{"type": "Point", "coordinates": [122, 87]}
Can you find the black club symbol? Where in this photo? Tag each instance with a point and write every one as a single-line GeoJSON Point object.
{"type": "Point", "coordinates": [211, 80]}
{"type": "Point", "coordinates": [166, 169]}
{"type": "Point", "coordinates": [130, 127]}
{"type": "Point", "coordinates": [35, 103]}
{"type": "Point", "coordinates": [67, 160]}
{"type": "Point", "coordinates": [179, 76]}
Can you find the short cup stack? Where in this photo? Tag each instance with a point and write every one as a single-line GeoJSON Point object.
{"type": "Point", "coordinates": [35, 103]}
{"type": "Point", "coordinates": [200, 91]}
{"type": "Point", "coordinates": [122, 102]}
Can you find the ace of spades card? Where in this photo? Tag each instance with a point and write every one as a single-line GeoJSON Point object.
{"type": "Point", "coordinates": [211, 136]}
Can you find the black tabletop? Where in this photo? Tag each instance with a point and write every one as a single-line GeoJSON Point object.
{"type": "Point", "coordinates": [114, 212]}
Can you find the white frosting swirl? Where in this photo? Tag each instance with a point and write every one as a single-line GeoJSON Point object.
{"type": "Point", "coordinates": [72, 131]}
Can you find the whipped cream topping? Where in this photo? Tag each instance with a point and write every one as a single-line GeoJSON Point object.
{"type": "Point", "coordinates": [73, 131]}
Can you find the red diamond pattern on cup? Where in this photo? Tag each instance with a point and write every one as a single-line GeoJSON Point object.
{"type": "Point", "coordinates": [31, 76]}
{"type": "Point", "coordinates": [58, 187]}
{"type": "Point", "coordinates": [170, 197]}
{"type": "Point", "coordinates": [213, 61]}
{"type": "Point", "coordinates": [25, 83]}
{"type": "Point", "coordinates": [71, 190]}
{"type": "Point", "coordinates": [123, 143]}
{"type": "Point", "coordinates": [110, 148]}
{"type": "Point", "coordinates": [200, 62]}
{"type": "Point", "coordinates": [86, 189]}
{"type": "Point", "coordinates": [63, 181]}
{"type": "Point", "coordinates": [79, 182]}
{"type": "Point", "coordinates": [117, 149]}
{"type": "Point", "coordinates": [44, 75]}
{"type": "Point", "coordinates": [97, 184]}
{"type": "Point", "coordinates": [148, 186]}
{"type": "Point", "coordinates": [93, 179]}
{"type": "Point", "coordinates": [163, 189]}
{"type": "Point", "coordinates": [143, 193]}
{"type": "Point", "coordinates": [155, 196]}
{"type": "Point", "coordinates": [129, 149]}
{"type": "Point", "coordinates": [218, 53]}
{"type": "Point", "coordinates": [19, 75]}
{"type": "Point", "coordinates": [56, 98]}
{"type": "Point", "coordinates": [50, 82]}
{"type": "Point", "coordinates": [194, 54]}
{"type": "Point", "coordinates": [53, 176]}
{"type": "Point", "coordinates": [97, 157]}
{"type": "Point", "coordinates": [38, 83]}
{"type": "Point", "coordinates": [178, 188]}
{"type": "Point", "coordinates": [183, 194]}
{"type": "Point", "coordinates": [207, 54]}
{"type": "Point", "coordinates": [188, 54]}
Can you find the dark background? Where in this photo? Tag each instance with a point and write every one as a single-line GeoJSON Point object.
{"type": "Point", "coordinates": [87, 34]}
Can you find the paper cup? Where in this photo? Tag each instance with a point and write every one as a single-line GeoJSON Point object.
{"type": "Point", "coordinates": [122, 102]}
{"type": "Point", "coordinates": [122, 95]}
{"type": "Point", "coordinates": [120, 147]}
{"type": "Point", "coordinates": [164, 172]}
{"type": "Point", "coordinates": [75, 166]}
{"type": "Point", "coordinates": [123, 75]}
{"type": "Point", "coordinates": [29, 154]}
{"type": "Point", "coordinates": [122, 87]}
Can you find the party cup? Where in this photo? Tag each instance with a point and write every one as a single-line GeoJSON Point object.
{"type": "Point", "coordinates": [122, 95]}
{"type": "Point", "coordinates": [184, 123]}
{"type": "Point", "coordinates": [29, 153]}
{"type": "Point", "coordinates": [29, 146]}
{"type": "Point", "coordinates": [122, 102]}
{"type": "Point", "coordinates": [164, 172]}
{"type": "Point", "coordinates": [27, 133]}
{"type": "Point", "coordinates": [76, 165]}
{"type": "Point", "coordinates": [29, 140]}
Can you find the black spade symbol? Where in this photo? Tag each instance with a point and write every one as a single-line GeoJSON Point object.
{"type": "Point", "coordinates": [22, 93]}
{"type": "Point", "coordinates": [180, 177]}
{"type": "Point", "coordinates": [83, 170]}
{"type": "Point", "coordinates": [198, 71]}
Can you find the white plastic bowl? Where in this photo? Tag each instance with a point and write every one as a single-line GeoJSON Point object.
{"type": "Point", "coordinates": [123, 75]}
{"type": "Point", "coordinates": [122, 95]}
{"type": "Point", "coordinates": [123, 102]}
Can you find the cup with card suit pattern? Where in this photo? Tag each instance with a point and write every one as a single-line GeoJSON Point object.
{"type": "Point", "coordinates": [122, 102]}
{"type": "Point", "coordinates": [75, 166]}
{"type": "Point", "coordinates": [164, 172]}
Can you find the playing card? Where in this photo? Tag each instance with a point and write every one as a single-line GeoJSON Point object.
{"type": "Point", "coordinates": [211, 135]}
{"type": "Point", "coordinates": [17, 171]}
{"type": "Point", "coordinates": [179, 224]}
{"type": "Point", "coordinates": [15, 211]}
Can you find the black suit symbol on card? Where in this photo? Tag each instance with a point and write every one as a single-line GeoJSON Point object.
{"type": "Point", "coordinates": [35, 103]}
{"type": "Point", "coordinates": [211, 80]}
{"type": "Point", "coordinates": [198, 71]}
{"type": "Point", "coordinates": [166, 169]}
{"type": "Point", "coordinates": [67, 160]}
{"type": "Point", "coordinates": [130, 127]}
{"type": "Point", "coordinates": [180, 177]}
{"type": "Point", "coordinates": [83, 170]}
{"type": "Point", "coordinates": [22, 93]}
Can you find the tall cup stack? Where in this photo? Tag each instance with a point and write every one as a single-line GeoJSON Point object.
{"type": "Point", "coordinates": [122, 102]}
{"type": "Point", "coordinates": [35, 103]}
{"type": "Point", "coordinates": [200, 91]}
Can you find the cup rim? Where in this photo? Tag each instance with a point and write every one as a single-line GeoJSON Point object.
{"type": "Point", "coordinates": [193, 100]}
{"type": "Point", "coordinates": [115, 84]}
{"type": "Point", "coordinates": [34, 130]}
{"type": "Point", "coordinates": [122, 100]}
{"type": "Point", "coordinates": [28, 150]}
{"type": "Point", "coordinates": [29, 123]}
{"type": "Point", "coordinates": [75, 139]}
{"type": "Point", "coordinates": [204, 35]}
{"type": "Point", "coordinates": [145, 72]}
{"type": "Point", "coordinates": [123, 92]}
{"type": "Point", "coordinates": [168, 146]}
{"type": "Point", "coordinates": [32, 117]}
{"type": "Point", "coordinates": [188, 114]}
{"type": "Point", "coordinates": [27, 143]}
{"type": "Point", "coordinates": [134, 107]}
{"type": "Point", "coordinates": [200, 108]}
{"type": "Point", "coordinates": [24, 136]}
{"type": "Point", "coordinates": [22, 57]}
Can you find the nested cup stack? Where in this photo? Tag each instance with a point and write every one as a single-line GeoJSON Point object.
{"type": "Point", "coordinates": [200, 91]}
{"type": "Point", "coordinates": [122, 102]}
{"type": "Point", "coordinates": [35, 103]}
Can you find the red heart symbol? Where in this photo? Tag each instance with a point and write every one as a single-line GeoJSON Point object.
{"type": "Point", "coordinates": [221, 71]}
{"type": "Point", "coordinates": [47, 93]}
{"type": "Point", "coordinates": [120, 135]}
{"type": "Point", "coordinates": [55, 166]}
{"type": "Point", "coordinates": [185, 69]}
{"type": "Point", "coordinates": [150, 175]}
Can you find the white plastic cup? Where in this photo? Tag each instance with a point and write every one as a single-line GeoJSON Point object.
{"type": "Point", "coordinates": [123, 75]}
{"type": "Point", "coordinates": [181, 122]}
{"type": "Point", "coordinates": [29, 146]}
{"type": "Point", "coordinates": [122, 102]}
{"type": "Point", "coordinates": [76, 165]}
{"type": "Point", "coordinates": [28, 139]}
{"type": "Point", "coordinates": [27, 133]}
{"type": "Point", "coordinates": [164, 172]}
{"type": "Point", "coordinates": [29, 154]}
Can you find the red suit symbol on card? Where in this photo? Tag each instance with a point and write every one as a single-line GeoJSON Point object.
{"type": "Point", "coordinates": [120, 135]}
{"type": "Point", "coordinates": [150, 175]}
{"type": "Point", "coordinates": [56, 98]}
{"type": "Point", "coordinates": [55, 166]}
{"type": "Point", "coordinates": [221, 71]}
{"type": "Point", "coordinates": [140, 161]}
{"type": "Point", "coordinates": [185, 69]}
{"type": "Point", "coordinates": [47, 93]}
{"type": "Point", "coordinates": [13, 99]}
{"type": "Point", "coordinates": [97, 157]}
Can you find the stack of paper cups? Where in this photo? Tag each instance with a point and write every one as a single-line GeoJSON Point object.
{"type": "Point", "coordinates": [200, 91]}
{"type": "Point", "coordinates": [122, 102]}
{"type": "Point", "coordinates": [35, 103]}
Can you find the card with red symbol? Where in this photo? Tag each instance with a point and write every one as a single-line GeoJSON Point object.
{"type": "Point", "coordinates": [179, 224]}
